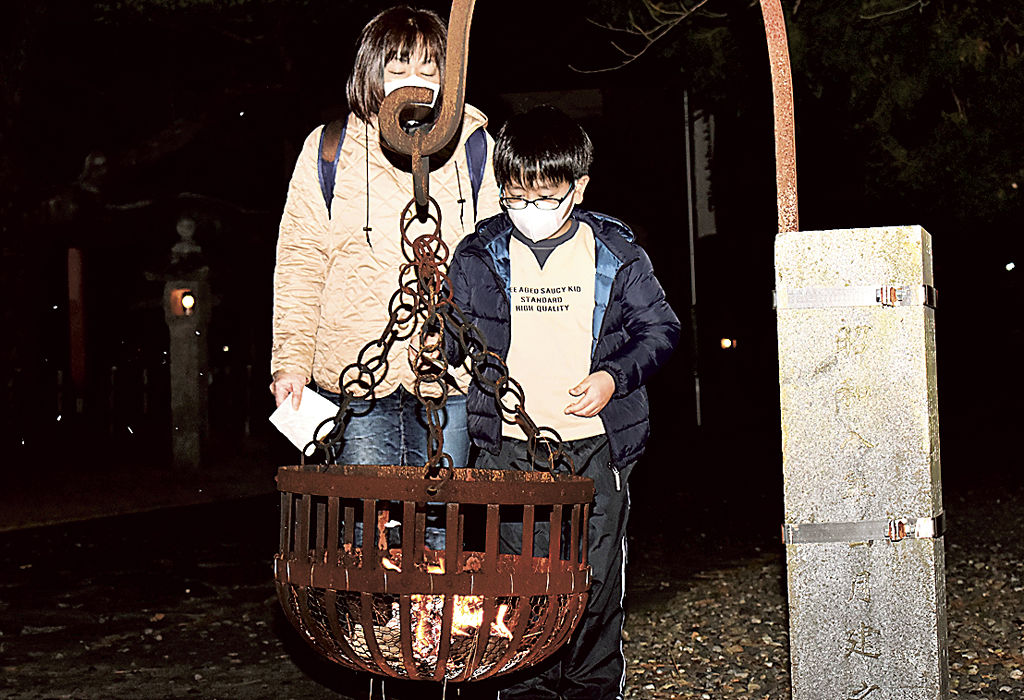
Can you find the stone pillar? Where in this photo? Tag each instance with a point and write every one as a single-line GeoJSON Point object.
{"type": "Point", "coordinates": [187, 304]}
{"type": "Point", "coordinates": [76, 327]}
{"type": "Point", "coordinates": [860, 432]}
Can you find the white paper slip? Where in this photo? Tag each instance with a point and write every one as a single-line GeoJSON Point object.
{"type": "Point", "coordinates": [299, 425]}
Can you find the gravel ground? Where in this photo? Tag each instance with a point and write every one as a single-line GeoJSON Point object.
{"type": "Point", "coordinates": [179, 603]}
{"type": "Point", "coordinates": [722, 631]}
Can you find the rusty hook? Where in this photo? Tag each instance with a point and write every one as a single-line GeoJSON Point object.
{"type": "Point", "coordinates": [430, 138]}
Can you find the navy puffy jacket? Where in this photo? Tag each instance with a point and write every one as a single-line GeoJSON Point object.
{"type": "Point", "coordinates": [635, 329]}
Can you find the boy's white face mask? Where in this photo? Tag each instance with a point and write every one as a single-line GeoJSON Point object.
{"type": "Point", "coordinates": [412, 80]}
{"type": "Point", "coordinates": [538, 224]}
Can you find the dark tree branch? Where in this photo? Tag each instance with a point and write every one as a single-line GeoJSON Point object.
{"type": "Point", "coordinates": [899, 10]}
{"type": "Point", "coordinates": [665, 18]}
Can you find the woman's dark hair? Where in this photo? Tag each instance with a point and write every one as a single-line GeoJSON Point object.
{"type": "Point", "coordinates": [394, 33]}
{"type": "Point", "coordinates": [540, 147]}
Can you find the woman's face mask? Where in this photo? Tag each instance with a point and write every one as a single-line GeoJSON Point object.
{"type": "Point", "coordinates": [413, 72]}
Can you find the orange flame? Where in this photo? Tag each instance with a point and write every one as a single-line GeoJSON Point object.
{"type": "Point", "coordinates": [498, 627]}
{"type": "Point", "coordinates": [467, 616]}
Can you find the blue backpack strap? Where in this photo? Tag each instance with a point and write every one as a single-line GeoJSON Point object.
{"type": "Point", "coordinates": [476, 158]}
{"type": "Point", "coordinates": [331, 139]}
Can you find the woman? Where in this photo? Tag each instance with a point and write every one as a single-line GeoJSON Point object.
{"type": "Point", "coordinates": [337, 269]}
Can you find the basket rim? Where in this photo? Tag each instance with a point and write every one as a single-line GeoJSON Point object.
{"type": "Point", "coordinates": [403, 483]}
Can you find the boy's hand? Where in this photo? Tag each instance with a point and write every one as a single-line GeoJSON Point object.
{"type": "Point", "coordinates": [594, 393]}
{"type": "Point", "coordinates": [286, 383]}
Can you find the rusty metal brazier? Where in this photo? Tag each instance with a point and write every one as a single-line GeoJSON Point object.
{"type": "Point", "coordinates": [463, 613]}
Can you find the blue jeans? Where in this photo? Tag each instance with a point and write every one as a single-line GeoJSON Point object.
{"type": "Point", "coordinates": [391, 430]}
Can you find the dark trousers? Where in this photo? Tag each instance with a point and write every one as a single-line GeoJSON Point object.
{"type": "Point", "coordinates": [591, 666]}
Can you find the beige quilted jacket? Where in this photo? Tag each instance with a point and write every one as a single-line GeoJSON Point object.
{"type": "Point", "coordinates": [331, 286]}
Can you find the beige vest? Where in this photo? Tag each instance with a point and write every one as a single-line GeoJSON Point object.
{"type": "Point", "coordinates": [331, 286]}
{"type": "Point", "coordinates": [552, 318]}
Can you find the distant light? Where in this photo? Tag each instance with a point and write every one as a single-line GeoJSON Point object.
{"type": "Point", "coordinates": [225, 348]}
{"type": "Point", "coordinates": [1010, 266]}
{"type": "Point", "coordinates": [188, 301]}
{"type": "Point", "coordinates": [130, 431]}
{"type": "Point", "coordinates": [242, 113]}
{"type": "Point", "coordinates": [729, 343]}
{"type": "Point", "coordinates": [58, 417]}
{"type": "Point", "coordinates": [1013, 185]}
{"type": "Point", "coordinates": [54, 307]}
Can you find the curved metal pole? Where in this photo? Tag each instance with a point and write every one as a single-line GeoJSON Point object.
{"type": "Point", "coordinates": [428, 139]}
{"type": "Point", "coordinates": [785, 129]}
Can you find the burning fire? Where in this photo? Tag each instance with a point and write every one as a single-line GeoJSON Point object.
{"type": "Point", "coordinates": [428, 612]}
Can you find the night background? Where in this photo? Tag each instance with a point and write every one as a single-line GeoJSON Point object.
{"type": "Point", "coordinates": [122, 118]}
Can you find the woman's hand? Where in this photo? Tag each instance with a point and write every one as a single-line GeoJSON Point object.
{"type": "Point", "coordinates": [594, 393]}
{"type": "Point", "coordinates": [286, 383]}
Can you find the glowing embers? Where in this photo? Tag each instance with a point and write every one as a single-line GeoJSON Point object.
{"type": "Point", "coordinates": [401, 608]}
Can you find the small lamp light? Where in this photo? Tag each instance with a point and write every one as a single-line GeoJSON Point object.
{"type": "Point", "coordinates": [183, 302]}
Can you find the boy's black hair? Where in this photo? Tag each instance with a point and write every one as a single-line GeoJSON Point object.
{"type": "Point", "coordinates": [542, 146]}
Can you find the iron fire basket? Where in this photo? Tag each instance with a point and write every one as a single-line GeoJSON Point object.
{"type": "Point", "coordinates": [463, 613]}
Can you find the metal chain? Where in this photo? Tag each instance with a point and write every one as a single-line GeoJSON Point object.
{"type": "Point", "coordinates": [423, 301]}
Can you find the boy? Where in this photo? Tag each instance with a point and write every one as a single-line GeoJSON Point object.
{"type": "Point", "coordinates": [571, 303]}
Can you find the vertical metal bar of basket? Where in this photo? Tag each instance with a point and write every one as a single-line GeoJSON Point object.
{"type": "Point", "coordinates": [452, 539]}
{"type": "Point", "coordinates": [585, 536]}
{"type": "Point", "coordinates": [482, 637]}
{"type": "Point", "coordinates": [370, 633]}
{"type": "Point", "coordinates": [408, 535]}
{"type": "Point", "coordinates": [350, 528]}
{"type": "Point", "coordinates": [339, 638]}
{"type": "Point", "coordinates": [561, 630]}
{"type": "Point", "coordinates": [421, 529]}
{"type": "Point", "coordinates": [574, 537]}
{"type": "Point", "coordinates": [314, 632]}
{"type": "Point", "coordinates": [491, 537]}
{"type": "Point", "coordinates": [405, 625]}
{"type": "Point", "coordinates": [369, 548]}
{"type": "Point", "coordinates": [302, 545]}
{"type": "Point", "coordinates": [444, 649]}
{"type": "Point", "coordinates": [286, 523]}
{"type": "Point", "coordinates": [320, 533]}
{"type": "Point", "coordinates": [550, 616]}
{"type": "Point", "coordinates": [462, 529]}
{"type": "Point", "coordinates": [526, 548]}
{"type": "Point", "coordinates": [555, 537]}
{"type": "Point", "coordinates": [333, 508]}
{"type": "Point", "coordinates": [339, 634]}
{"type": "Point", "coordinates": [549, 625]}
{"type": "Point", "coordinates": [515, 620]}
